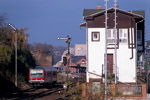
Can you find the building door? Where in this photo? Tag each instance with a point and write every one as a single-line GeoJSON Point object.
{"type": "Point", "coordinates": [110, 63]}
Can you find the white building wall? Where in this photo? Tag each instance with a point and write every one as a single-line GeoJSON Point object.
{"type": "Point", "coordinates": [96, 51]}
{"type": "Point", "coordinates": [126, 66]}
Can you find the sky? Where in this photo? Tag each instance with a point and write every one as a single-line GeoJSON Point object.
{"type": "Point", "coordinates": [47, 20]}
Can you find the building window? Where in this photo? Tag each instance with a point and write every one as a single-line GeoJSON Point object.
{"type": "Point", "coordinates": [123, 33]}
{"type": "Point", "coordinates": [123, 36]}
{"type": "Point", "coordinates": [139, 37]}
{"type": "Point", "coordinates": [109, 33]}
{"type": "Point", "coordinates": [95, 36]}
{"type": "Point", "coordinates": [111, 36]}
{"type": "Point", "coordinates": [83, 62]}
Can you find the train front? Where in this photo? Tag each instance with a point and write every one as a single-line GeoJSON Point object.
{"type": "Point", "coordinates": [36, 76]}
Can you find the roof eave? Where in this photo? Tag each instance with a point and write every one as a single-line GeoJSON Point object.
{"type": "Point", "coordinates": [83, 24]}
{"type": "Point", "coordinates": [90, 17]}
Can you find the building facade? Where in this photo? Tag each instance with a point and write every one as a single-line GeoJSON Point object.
{"type": "Point", "coordinates": [80, 49]}
{"type": "Point", "coordinates": [147, 50]}
{"type": "Point", "coordinates": [130, 43]}
{"type": "Point", "coordinates": [77, 63]}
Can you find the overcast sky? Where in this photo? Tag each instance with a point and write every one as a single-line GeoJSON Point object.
{"type": "Point", "coordinates": [48, 19]}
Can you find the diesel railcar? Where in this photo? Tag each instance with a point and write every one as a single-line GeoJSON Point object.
{"type": "Point", "coordinates": [42, 75]}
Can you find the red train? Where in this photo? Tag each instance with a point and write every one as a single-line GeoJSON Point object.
{"type": "Point", "coordinates": [43, 75]}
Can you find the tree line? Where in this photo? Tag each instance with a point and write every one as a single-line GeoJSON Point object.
{"type": "Point", "coordinates": [25, 59]}
{"type": "Point", "coordinates": [28, 55]}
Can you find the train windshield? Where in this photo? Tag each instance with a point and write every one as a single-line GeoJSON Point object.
{"type": "Point", "coordinates": [36, 74]}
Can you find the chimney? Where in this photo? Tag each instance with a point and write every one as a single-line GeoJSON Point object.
{"type": "Point", "coordinates": [99, 7]}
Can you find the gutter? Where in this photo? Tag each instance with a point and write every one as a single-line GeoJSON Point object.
{"type": "Point", "coordinates": [87, 68]}
{"type": "Point", "coordinates": [132, 36]}
{"type": "Point", "coordinates": [87, 56]}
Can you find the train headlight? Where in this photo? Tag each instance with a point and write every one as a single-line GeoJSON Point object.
{"type": "Point", "coordinates": [65, 86]}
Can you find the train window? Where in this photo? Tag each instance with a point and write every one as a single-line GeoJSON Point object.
{"type": "Point", "coordinates": [45, 74]}
{"type": "Point", "coordinates": [36, 75]}
{"type": "Point", "coordinates": [54, 73]}
{"type": "Point", "coordinates": [48, 73]}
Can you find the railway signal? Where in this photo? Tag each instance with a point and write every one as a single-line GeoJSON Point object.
{"type": "Point", "coordinates": [67, 39]}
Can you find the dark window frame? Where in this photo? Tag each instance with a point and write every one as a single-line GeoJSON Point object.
{"type": "Point", "coordinates": [98, 36]}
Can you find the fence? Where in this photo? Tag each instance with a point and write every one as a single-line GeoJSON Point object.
{"type": "Point", "coordinates": [128, 89]}
{"type": "Point", "coordinates": [96, 90]}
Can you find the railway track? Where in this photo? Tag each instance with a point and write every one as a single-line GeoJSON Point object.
{"type": "Point", "coordinates": [40, 93]}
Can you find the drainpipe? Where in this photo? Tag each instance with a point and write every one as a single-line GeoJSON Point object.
{"type": "Point", "coordinates": [87, 68]}
{"type": "Point", "coordinates": [87, 56]}
{"type": "Point", "coordinates": [131, 40]}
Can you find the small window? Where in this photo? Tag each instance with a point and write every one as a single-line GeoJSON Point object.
{"type": "Point", "coordinates": [123, 35]}
{"type": "Point", "coordinates": [114, 33]}
{"type": "Point", "coordinates": [109, 33]}
{"type": "Point", "coordinates": [83, 61]}
{"type": "Point", "coordinates": [95, 36]}
{"type": "Point", "coordinates": [111, 36]}
{"type": "Point", "coordinates": [139, 37]}
{"type": "Point", "coordinates": [120, 34]}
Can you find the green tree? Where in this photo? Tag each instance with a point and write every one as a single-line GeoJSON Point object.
{"type": "Point", "coordinates": [43, 53]}
{"type": "Point", "coordinates": [25, 61]}
{"type": "Point", "coordinates": [2, 19]}
{"type": "Point", "coordinates": [5, 50]}
{"type": "Point", "coordinates": [4, 40]}
{"type": "Point", "coordinates": [5, 58]}
{"type": "Point", "coordinates": [22, 38]}
{"type": "Point", "coordinates": [7, 53]}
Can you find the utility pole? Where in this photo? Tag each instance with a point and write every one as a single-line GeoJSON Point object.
{"type": "Point", "coordinates": [16, 31]}
{"type": "Point", "coordinates": [67, 39]}
{"type": "Point", "coordinates": [106, 50]}
{"type": "Point", "coordinates": [78, 71]}
{"type": "Point", "coordinates": [68, 45]}
{"type": "Point", "coordinates": [115, 29]}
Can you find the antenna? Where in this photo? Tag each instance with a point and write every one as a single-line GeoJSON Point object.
{"type": "Point", "coordinates": [105, 58]}
{"type": "Point", "coordinates": [115, 30]}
